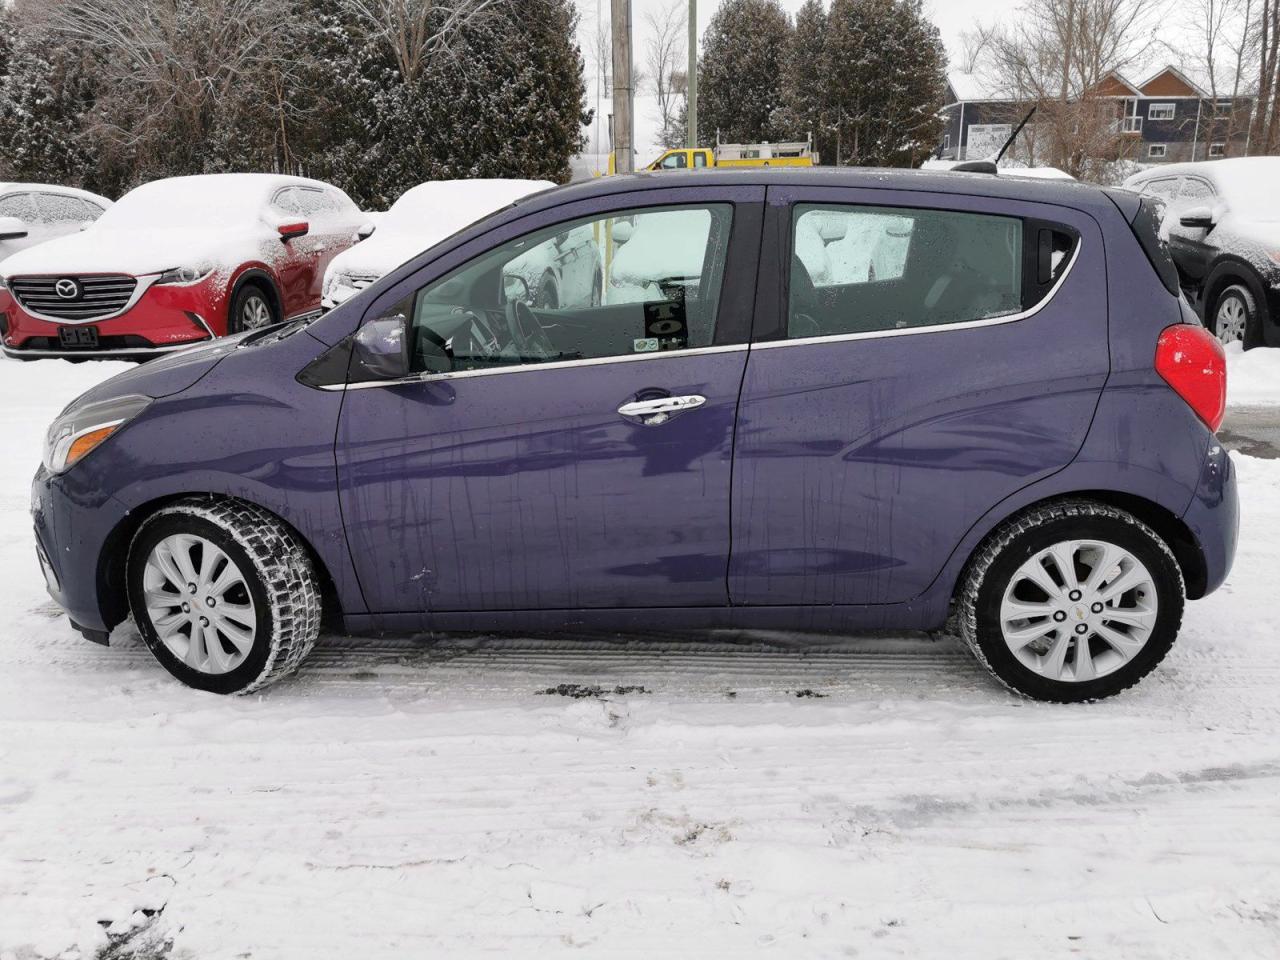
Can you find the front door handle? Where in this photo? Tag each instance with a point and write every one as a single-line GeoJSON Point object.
{"type": "Point", "coordinates": [659, 409]}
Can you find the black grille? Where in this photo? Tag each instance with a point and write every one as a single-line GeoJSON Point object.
{"type": "Point", "coordinates": [93, 297]}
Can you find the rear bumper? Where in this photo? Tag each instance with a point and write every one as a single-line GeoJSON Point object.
{"type": "Point", "coordinates": [1214, 516]}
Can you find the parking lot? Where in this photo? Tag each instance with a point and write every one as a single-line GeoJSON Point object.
{"type": "Point", "coordinates": [635, 796]}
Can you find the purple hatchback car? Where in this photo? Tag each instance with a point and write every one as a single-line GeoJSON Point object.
{"type": "Point", "coordinates": [820, 400]}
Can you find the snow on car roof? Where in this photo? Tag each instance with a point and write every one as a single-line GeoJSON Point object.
{"type": "Point", "coordinates": [210, 200]}
{"type": "Point", "coordinates": [443, 207]}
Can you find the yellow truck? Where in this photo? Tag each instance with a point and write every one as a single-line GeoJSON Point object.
{"type": "Point", "coordinates": [798, 153]}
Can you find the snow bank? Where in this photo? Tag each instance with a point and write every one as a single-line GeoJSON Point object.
{"type": "Point", "coordinates": [1253, 377]}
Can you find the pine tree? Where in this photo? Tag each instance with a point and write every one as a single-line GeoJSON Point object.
{"type": "Point", "coordinates": [739, 76]}
{"type": "Point", "coordinates": [886, 67]}
{"type": "Point", "coordinates": [806, 94]}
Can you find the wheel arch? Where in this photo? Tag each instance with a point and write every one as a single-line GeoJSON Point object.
{"type": "Point", "coordinates": [261, 278]}
{"type": "Point", "coordinates": [1167, 525]}
{"type": "Point", "coordinates": [1228, 272]}
{"type": "Point", "coordinates": [111, 568]}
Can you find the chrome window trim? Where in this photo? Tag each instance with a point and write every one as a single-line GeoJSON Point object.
{"type": "Point", "coordinates": [532, 367]}
{"type": "Point", "coordinates": [934, 327]}
{"type": "Point", "coordinates": [144, 284]}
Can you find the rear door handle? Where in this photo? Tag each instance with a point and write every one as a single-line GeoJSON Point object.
{"type": "Point", "coordinates": [659, 409]}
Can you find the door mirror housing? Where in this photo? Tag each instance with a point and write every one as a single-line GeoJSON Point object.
{"type": "Point", "coordinates": [365, 230]}
{"type": "Point", "coordinates": [11, 228]}
{"type": "Point", "coordinates": [293, 229]}
{"type": "Point", "coordinates": [832, 230]}
{"type": "Point", "coordinates": [381, 348]}
{"type": "Point", "coordinates": [1198, 217]}
{"type": "Point", "coordinates": [515, 288]}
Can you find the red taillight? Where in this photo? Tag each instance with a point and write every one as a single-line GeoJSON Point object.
{"type": "Point", "coordinates": [1191, 360]}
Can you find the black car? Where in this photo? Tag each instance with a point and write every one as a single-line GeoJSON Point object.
{"type": "Point", "coordinates": [1222, 224]}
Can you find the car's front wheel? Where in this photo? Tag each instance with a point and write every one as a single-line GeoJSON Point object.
{"type": "Point", "coordinates": [250, 310]}
{"type": "Point", "coordinates": [223, 593]}
{"type": "Point", "coordinates": [1071, 601]}
{"type": "Point", "coordinates": [1235, 315]}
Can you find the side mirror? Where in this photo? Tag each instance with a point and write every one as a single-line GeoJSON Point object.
{"type": "Point", "coordinates": [293, 229]}
{"type": "Point", "coordinates": [381, 348]}
{"type": "Point", "coordinates": [623, 231]}
{"type": "Point", "coordinates": [11, 228]}
{"type": "Point", "coordinates": [1198, 217]}
{"type": "Point", "coordinates": [515, 288]}
{"type": "Point", "coordinates": [365, 231]}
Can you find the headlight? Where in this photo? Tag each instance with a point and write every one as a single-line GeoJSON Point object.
{"type": "Point", "coordinates": [3, 285]}
{"type": "Point", "coordinates": [189, 274]}
{"type": "Point", "coordinates": [79, 431]}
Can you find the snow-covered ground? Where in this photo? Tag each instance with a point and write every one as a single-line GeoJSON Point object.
{"type": "Point", "coordinates": [743, 796]}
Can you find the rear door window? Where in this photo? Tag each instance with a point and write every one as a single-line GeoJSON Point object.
{"type": "Point", "coordinates": [862, 269]}
{"type": "Point", "coordinates": [57, 208]}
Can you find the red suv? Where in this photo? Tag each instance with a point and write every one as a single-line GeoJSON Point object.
{"type": "Point", "coordinates": [175, 262]}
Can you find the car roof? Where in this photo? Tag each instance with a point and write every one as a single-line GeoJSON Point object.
{"type": "Point", "coordinates": [54, 188]}
{"type": "Point", "coordinates": [1212, 170]}
{"type": "Point", "coordinates": [1069, 193]}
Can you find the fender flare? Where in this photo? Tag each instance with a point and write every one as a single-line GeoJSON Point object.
{"type": "Point", "coordinates": [260, 276]}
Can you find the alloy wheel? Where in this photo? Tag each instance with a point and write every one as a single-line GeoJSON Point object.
{"type": "Point", "coordinates": [1231, 320]}
{"type": "Point", "coordinates": [199, 603]}
{"type": "Point", "coordinates": [1079, 610]}
{"type": "Point", "coordinates": [255, 313]}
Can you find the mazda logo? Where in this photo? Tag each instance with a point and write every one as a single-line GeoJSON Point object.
{"type": "Point", "coordinates": [67, 288]}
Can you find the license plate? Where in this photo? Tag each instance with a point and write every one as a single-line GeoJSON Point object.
{"type": "Point", "coordinates": [78, 336]}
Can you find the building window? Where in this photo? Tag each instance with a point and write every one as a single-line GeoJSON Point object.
{"type": "Point", "coordinates": [1157, 151]}
{"type": "Point", "coordinates": [946, 141]}
{"type": "Point", "coordinates": [1223, 108]}
{"type": "Point", "coordinates": [1217, 149]}
{"type": "Point", "coordinates": [1161, 111]}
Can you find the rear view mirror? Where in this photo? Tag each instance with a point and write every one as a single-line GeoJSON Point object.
{"type": "Point", "coordinates": [622, 231]}
{"type": "Point", "coordinates": [832, 230]}
{"type": "Point", "coordinates": [1197, 217]}
{"type": "Point", "coordinates": [292, 229]}
{"type": "Point", "coordinates": [11, 228]}
{"type": "Point", "coordinates": [381, 348]}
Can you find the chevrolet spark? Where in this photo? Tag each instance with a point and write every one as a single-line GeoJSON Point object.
{"type": "Point", "coordinates": [1006, 425]}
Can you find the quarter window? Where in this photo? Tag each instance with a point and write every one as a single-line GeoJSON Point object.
{"type": "Point", "coordinates": [867, 269]}
{"type": "Point", "coordinates": [638, 282]}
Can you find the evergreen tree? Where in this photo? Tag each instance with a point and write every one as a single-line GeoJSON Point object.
{"type": "Point", "coordinates": [806, 93]}
{"type": "Point", "coordinates": [885, 64]}
{"type": "Point", "coordinates": [739, 76]}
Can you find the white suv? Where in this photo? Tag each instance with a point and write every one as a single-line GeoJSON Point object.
{"type": "Point", "coordinates": [31, 213]}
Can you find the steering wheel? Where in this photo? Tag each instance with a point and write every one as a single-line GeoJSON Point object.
{"type": "Point", "coordinates": [527, 333]}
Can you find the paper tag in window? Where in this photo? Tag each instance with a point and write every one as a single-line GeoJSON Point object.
{"type": "Point", "coordinates": [645, 344]}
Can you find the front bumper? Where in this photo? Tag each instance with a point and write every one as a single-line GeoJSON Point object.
{"type": "Point", "coordinates": [166, 317]}
{"type": "Point", "coordinates": [72, 529]}
{"type": "Point", "coordinates": [1214, 516]}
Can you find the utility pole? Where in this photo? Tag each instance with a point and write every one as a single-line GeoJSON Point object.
{"type": "Point", "coordinates": [691, 84]}
{"type": "Point", "coordinates": [623, 127]}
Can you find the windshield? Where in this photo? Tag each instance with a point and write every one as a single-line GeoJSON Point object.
{"type": "Point", "coordinates": [188, 201]}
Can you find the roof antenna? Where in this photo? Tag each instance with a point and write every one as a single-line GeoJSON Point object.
{"type": "Point", "coordinates": [1014, 136]}
{"type": "Point", "coordinates": [989, 166]}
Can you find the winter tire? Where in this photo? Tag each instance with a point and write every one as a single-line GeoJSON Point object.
{"type": "Point", "coordinates": [1071, 601]}
{"type": "Point", "coordinates": [250, 310]}
{"type": "Point", "coordinates": [223, 593]}
{"type": "Point", "coordinates": [1235, 315]}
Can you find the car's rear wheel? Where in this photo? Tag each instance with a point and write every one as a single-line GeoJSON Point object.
{"type": "Point", "coordinates": [1235, 314]}
{"type": "Point", "coordinates": [1071, 601]}
{"type": "Point", "coordinates": [250, 310]}
{"type": "Point", "coordinates": [223, 593]}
